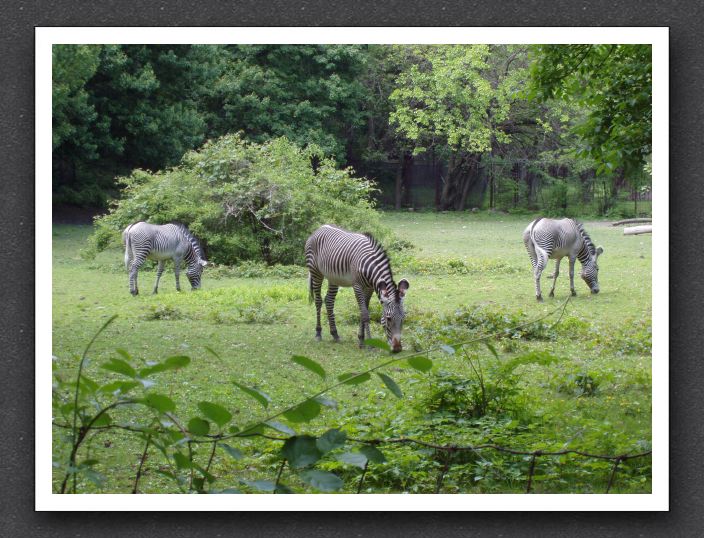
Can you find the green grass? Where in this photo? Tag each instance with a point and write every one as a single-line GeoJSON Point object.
{"type": "Point", "coordinates": [468, 273]}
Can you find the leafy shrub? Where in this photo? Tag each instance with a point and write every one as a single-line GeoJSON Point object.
{"type": "Point", "coordinates": [246, 201]}
{"type": "Point", "coordinates": [158, 312]}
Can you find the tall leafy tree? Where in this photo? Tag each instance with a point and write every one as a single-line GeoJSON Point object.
{"type": "Point", "coordinates": [463, 100]}
{"type": "Point", "coordinates": [614, 84]}
{"type": "Point", "coordinates": [309, 93]}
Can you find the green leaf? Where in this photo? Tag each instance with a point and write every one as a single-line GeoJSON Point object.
{"type": "Point", "coordinates": [258, 395]}
{"type": "Point", "coordinates": [261, 485]}
{"type": "Point", "coordinates": [327, 402]}
{"type": "Point", "coordinates": [278, 426]}
{"type": "Point", "coordinates": [103, 420]}
{"type": "Point", "coordinates": [321, 480]}
{"type": "Point", "coordinates": [391, 385]}
{"type": "Point", "coordinates": [353, 378]}
{"type": "Point", "coordinates": [300, 451]}
{"type": "Point", "coordinates": [182, 461]}
{"type": "Point", "coordinates": [161, 403]}
{"type": "Point", "coordinates": [373, 454]}
{"type": "Point", "coordinates": [212, 351]}
{"type": "Point", "coordinates": [215, 412]}
{"type": "Point", "coordinates": [121, 386]}
{"type": "Point", "coordinates": [125, 355]}
{"type": "Point", "coordinates": [119, 366]}
{"type": "Point", "coordinates": [172, 363]}
{"type": "Point", "coordinates": [310, 364]}
{"type": "Point", "coordinates": [303, 412]}
{"type": "Point", "coordinates": [353, 458]}
{"type": "Point", "coordinates": [233, 452]}
{"type": "Point", "coordinates": [331, 440]}
{"type": "Point", "coordinates": [375, 342]}
{"type": "Point", "coordinates": [420, 363]}
{"type": "Point", "coordinates": [492, 349]}
{"type": "Point", "coordinates": [198, 426]}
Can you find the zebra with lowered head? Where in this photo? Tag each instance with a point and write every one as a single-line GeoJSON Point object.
{"type": "Point", "coordinates": [553, 239]}
{"type": "Point", "coordinates": [162, 242]}
{"type": "Point", "coordinates": [356, 260]}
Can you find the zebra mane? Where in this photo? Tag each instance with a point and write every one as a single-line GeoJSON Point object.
{"type": "Point", "coordinates": [585, 236]}
{"type": "Point", "coordinates": [191, 238]}
{"type": "Point", "coordinates": [380, 249]}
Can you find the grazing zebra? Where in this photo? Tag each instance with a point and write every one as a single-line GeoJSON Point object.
{"type": "Point", "coordinates": [553, 239]}
{"type": "Point", "coordinates": [357, 260]}
{"type": "Point", "coordinates": [162, 242]}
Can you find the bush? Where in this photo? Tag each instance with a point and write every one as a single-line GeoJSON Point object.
{"type": "Point", "coordinates": [246, 201]}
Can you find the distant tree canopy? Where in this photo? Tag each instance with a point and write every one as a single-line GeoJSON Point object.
{"type": "Point", "coordinates": [614, 85]}
{"type": "Point", "coordinates": [510, 125]}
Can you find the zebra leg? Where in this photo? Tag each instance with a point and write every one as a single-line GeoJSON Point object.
{"type": "Point", "coordinates": [159, 271]}
{"type": "Point", "coordinates": [316, 282]}
{"type": "Point", "coordinates": [134, 270]}
{"type": "Point", "coordinates": [363, 302]}
{"type": "Point", "coordinates": [329, 306]}
{"type": "Point", "coordinates": [554, 281]}
{"type": "Point", "coordinates": [177, 272]}
{"type": "Point", "coordinates": [366, 304]}
{"type": "Point", "coordinates": [541, 262]}
{"type": "Point", "coordinates": [572, 291]}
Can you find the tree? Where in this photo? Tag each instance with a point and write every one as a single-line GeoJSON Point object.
{"type": "Point", "coordinates": [614, 84]}
{"type": "Point", "coordinates": [308, 93]}
{"type": "Point", "coordinates": [463, 101]}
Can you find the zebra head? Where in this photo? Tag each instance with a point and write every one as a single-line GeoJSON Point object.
{"type": "Point", "coordinates": [590, 270]}
{"type": "Point", "coordinates": [195, 270]}
{"type": "Point", "coordinates": [392, 314]}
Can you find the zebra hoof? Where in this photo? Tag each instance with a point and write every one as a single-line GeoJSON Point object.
{"type": "Point", "coordinates": [336, 339]}
{"type": "Point", "coordinates": [155, 292]}
{"type": "Point", "coordinates": [135, 292]}
{"type": "Point", "coordinates": [539, 298]}
{"type": "Point", "coordinates": [552, 294]}
{"type": "Point", "coordinates": [318, 337]}
{"type": "Point", "coordinates": [574, 293]}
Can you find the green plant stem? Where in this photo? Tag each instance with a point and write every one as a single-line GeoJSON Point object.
{"type": "Point", "coordinates": [278, 475]}
{"type": "Point", "coordinates": [81, 436]}
{"type": "Point", "coordinates": [141, 463]}
{"type": "Point", "coordinates": [74, 432]}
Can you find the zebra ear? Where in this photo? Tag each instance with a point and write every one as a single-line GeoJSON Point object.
{"type": "Point", "coordinates": [599, 251]}
{"type": "Point", "coordinates": [403, 286]}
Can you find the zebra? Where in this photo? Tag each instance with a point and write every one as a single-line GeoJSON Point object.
{"type": "Point", "coordinates": [356, 260]}
{"type": "Point", "coordinates": [552, 239]}
{"type": "Point", "coordinates": [162, 242]}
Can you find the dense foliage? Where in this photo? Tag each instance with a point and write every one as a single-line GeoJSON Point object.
{"type": "Point", "coordinates": [559, 128]}
{"type": "Point", "coordinates": [614, 84]}
{"type": "Point", "coordinates": [246, 201]}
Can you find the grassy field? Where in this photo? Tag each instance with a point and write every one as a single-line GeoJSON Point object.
{"type": "Point", "coordinates": [584, 383]}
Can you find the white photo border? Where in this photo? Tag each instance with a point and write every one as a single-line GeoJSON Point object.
{"type": "Point", "coordinates": [658, 37]}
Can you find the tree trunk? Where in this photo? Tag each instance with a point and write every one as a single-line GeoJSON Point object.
{"type": "Point", "coordinates": [636, 230]}
{"type": "Point", "coordinates": [631, 221]}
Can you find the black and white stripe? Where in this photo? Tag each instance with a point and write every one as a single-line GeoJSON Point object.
{"type": "Point", "coordinates": [162, 242]}
{"type": "Point", "coordinates": [553, 239]}
{"type": "Point", "coordinates": [356, 260]}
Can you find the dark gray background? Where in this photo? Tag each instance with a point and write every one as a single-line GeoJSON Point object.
{"type": "Point", "coordinates": [18, 19]}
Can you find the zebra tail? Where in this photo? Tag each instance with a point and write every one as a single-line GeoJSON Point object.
{"type": "Point", "coordinates": [128, 250]}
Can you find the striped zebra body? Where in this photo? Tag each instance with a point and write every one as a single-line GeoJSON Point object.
{"type": "Point", "coordinates": [554, 239]}
{"type": "Point", "coordinates": [161, 243]}
{"type": "Point", "coordinates": [348, 259]}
